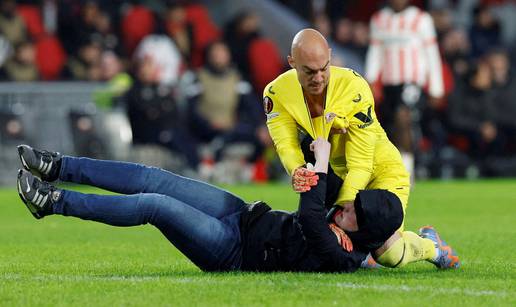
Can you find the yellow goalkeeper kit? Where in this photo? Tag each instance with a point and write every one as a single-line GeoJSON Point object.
{"type": "Point", "coordinates": [363, 157]}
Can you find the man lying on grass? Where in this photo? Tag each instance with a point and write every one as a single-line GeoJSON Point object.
{"type": "Point", "coordinates": [215, 229]}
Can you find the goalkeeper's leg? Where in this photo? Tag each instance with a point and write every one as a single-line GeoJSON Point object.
{"type": "Point", "coordinates": [405, 247]}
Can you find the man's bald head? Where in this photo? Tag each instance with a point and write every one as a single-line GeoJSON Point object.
{"type": "Point", "coordinates": [310, 56]}
{"type": "Point", "coordinates": [308, 42]}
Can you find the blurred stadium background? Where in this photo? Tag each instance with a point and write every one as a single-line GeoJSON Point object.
{"type": "Point", "coordinates": [177, 84]}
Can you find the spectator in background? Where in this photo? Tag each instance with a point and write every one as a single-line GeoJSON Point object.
{"type": "Point", "coordinates": [322, 23]}
{"type": "Point", "coordinates": [257, 57]}
{"type": "Point", "coordinates": [472, 113]}
{"type": "Point", "coordinates": [223, 109]}
{"type": "Point", "coordinates": [164, 53]}
{"type": "Point", "coordinates": [456, 49]}
{"type": "Point", "coordinates": [504, 88]}
{"type": "Point", "coordinates": [178, 28]}
{"type": "Point", "coordinates": [86, 65]}
{"type": "Point", "coordinates": [404, 53]}
{"type": "Point", "coordinates": [22, 65]}
{"type": "Point", "coordinates": [443, 21]}
{"type": "Point", "coordinates": [112, 71]}
{"type": "Point", "coordinates": [154, 113]}
{"type": "Point", "coordinates": [12, 26]}
{"type": "Point", "coordinates": [360, 39]}
{"type": "Point", "coordinates": [353, 36]}
{"type": "Point", "coordinates": [77, 23]}
{"type": "Point", "coordinates": [485, 32]}
{"type": "Point", "coordinates": [343, 32]}
{"type": "Point", "coordinates": [103, 33]}
{"type": "Point", "coordinates": [239, 34]}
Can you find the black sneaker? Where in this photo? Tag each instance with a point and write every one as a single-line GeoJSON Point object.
{"type": "Point", "coordinates": [38, 196]}
{"type": "Point", "coordinates": [44, 164]}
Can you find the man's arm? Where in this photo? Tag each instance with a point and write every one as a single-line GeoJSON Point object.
{"type": "Point", "coordinates": [283, 130]}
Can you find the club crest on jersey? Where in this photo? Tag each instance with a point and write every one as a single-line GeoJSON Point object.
{"type": "Point", "coordinates": [329, 117]}
{"type": "Point", "coordinates": [267, 104]}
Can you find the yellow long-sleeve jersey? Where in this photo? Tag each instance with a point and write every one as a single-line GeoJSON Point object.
{"type": "Point", "coordinates": [364, 157]}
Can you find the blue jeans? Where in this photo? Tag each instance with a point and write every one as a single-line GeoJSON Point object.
{"type": "Point", "coordinates": [201, 220]}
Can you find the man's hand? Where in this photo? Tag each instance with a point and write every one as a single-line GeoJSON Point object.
{"type": "Point", "coordinates": [303, 179]}
{"type": "Point", "coordinates": [321, 149]}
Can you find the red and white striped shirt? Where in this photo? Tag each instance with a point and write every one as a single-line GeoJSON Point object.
{"type": "Point", "coordinates": [404, 50]}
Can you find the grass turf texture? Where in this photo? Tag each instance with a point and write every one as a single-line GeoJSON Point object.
{"type": "Point", "coordinates": [67, 261]}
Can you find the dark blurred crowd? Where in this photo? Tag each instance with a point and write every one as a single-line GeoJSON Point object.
{"type": "Point", "coordinates": [473, 127]}
{"type": "Point", "coordinates": [186, 82]}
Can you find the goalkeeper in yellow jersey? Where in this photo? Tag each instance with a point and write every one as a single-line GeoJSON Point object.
{"type": "Point", "coordinates": [314, 100]}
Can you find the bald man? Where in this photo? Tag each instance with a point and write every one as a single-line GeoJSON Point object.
{"type": "Point", "coordinates": [315, 99]}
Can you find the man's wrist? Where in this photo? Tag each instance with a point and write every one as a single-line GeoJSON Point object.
{"type": "Point", "coordinates": [321, 166]}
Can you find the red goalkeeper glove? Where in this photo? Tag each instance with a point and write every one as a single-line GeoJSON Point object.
{"type": "Point", "coordinates": [303, 179]}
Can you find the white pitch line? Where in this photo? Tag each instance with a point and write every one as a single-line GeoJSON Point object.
{"type": "Point", "coordinates": [405, 288]}
{"type": "Point", "coordinates": [203, 280]}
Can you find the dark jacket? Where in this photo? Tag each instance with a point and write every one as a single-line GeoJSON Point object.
{"type": "Point", "coordinates": [274, 240]}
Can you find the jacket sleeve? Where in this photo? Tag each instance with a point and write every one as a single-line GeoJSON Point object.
{"type": "Point", "coordinates": [283, 130]}
{"type": "Point", "coordinates": [320, 239]}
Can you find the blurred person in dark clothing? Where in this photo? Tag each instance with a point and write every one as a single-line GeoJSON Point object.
{"type": "Point", "coordinates": [485, 32]}
{"type": "Point", "coordinates": [76, 22]}
{"type": "Point", "coordinates": [224, 110]}
{"type": "Point", "coordinates": [22, 65]}
{"type": "Point", "coordinates": [178, 28]}
{"type": "Point", "coordinates": [82, 21]}
{"type": "Point", "coordinates": [240, 32]}
{"type": "Point", "coordinates": [456, 49]}
{"type": "Point", "coordinates": [154, 114]}
{"type": "Point", "coordinates": [472, 113]}
{"type": "Point", "coordinates": [504, 91]}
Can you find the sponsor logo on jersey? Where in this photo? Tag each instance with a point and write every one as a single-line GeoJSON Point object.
{"type": "Point", "coordinates": [367, 119]}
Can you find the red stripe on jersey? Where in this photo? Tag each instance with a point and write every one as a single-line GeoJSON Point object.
{"type": "Point", "coordinates": [386, 66]}
{"type": "Point", "coordinates": [415, 24]}
{"type": "Point", "coordinates": [402, 65]}
{"type": "Point", "coordinates": [388, 22]}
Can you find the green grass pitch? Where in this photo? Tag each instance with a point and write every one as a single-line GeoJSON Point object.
{"type": "Point", "coordinates": [66, 261]}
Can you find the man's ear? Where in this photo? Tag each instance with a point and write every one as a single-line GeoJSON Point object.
{"type": "Point", "coordinates": [291, 61]}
